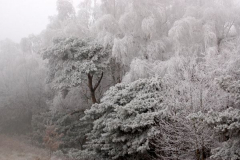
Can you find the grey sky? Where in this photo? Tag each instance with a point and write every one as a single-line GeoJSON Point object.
{"type": "Point", "coordinates": [19, 18]}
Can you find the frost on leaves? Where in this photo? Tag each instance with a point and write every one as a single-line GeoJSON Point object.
{"type": "Point", "coordinates": [125, 120]}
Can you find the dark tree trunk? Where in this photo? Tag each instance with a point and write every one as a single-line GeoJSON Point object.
{"type": "Point", "coordinates": [93, 88]}
{"type": "Point", "coordinates": [94, 100]}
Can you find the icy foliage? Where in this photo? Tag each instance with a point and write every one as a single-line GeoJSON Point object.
{"type": "Point", "coordinates": [225, 121]}
{"type": "Point", "coordinates": [229, 149]}
{"type": "Point", "coordinates": [186, 34]}
{"type": "Point", "coordinates": [128, 22]}
{"type": "Point", "coordinates": [71, 59]}
{"type": "Point", "coordinates": [139, 69]}
{"type": "Point", "coordinates": [226, 124]}
{"type": "Point", "coordinates": [210, 37]}
{"type": "Point", "coordinates": [232, 86]}
{"type": "Point", "coordinates": [147, 41]}
{"type": "Point", "coordinates": [74, 100]}
{"type": "Point", "coordinates": [124, 121]}
{"type": "Point", "coordinates": [177, 66]}
{"type": "Point", "coordinates": [159, 49]}
{"type": "Point", "coordinates": [149, 26]}
{"type": "Point", "coordinates": [65, 9]}
{"type": "Point", "coordinates": [105, 28]}
{"type": "Point", "coordinates": [125, 49]}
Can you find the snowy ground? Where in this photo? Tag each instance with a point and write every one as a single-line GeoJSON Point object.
{"type": "Point", "coordinates": [11, 148]}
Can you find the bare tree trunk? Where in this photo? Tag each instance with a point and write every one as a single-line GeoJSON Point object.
{"type": "Point", "coordinates": [93, 88]}
{"type": "Point", "coordinates": [90, 85]}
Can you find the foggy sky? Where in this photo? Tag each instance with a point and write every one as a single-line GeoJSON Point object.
{"type": "Point", "coordinates": [19, 18]}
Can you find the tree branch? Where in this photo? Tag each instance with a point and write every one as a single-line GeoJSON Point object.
{"type": "Point", "coordinates": [75, 112]}
{"type": "Point", "coordinates": [98, 83]}
{"type": "Point", "coordinates": [90, 82]}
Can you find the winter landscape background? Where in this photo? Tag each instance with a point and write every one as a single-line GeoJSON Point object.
{"type": "Point", "coordinates": [121, 80]}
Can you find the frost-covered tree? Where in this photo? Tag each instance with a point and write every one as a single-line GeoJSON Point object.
{"type": "Point", "coordinates": [143, 42]}
{"type": "Point", "coordinates": [66, 23]}
{"type": "Point", "coordinates": [65, 9]}
{"type": "Point", "coordinates": [192, 89]}
{"type": "Point", "coordinates": [73, 62]}
{"type": "Point", "coordinates": [126, 120]}
{"type": "Point", "coordinates": [202, 136]}
{"type": "Point", "coordinates": [118, 24]}
{"type": "Point", "coordinates": [190, 109]}
{"type": "Point", "coordinates": [225, 125]}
